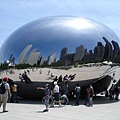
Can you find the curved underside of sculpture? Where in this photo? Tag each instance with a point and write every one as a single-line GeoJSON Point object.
{"type": "Point", "coordinates": [29, 91]}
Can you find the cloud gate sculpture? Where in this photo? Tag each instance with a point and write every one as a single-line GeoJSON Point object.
{"type": "Point", "coordinates": [61, 38]}
{"type": "Point", "coordinates": [50, 35]}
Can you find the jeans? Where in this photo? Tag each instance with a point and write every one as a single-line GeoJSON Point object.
{"type": "Point", "coordinates": [14, 97]}
{"type": "Point", "coordinates": [77, 98]}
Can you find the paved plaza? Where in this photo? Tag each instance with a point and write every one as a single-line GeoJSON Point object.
{"type": "Point", "coordinates": [103, 109]}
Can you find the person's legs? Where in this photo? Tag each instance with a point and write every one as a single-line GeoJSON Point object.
{"type": "Point", "coordinates": [91, 101]}
{"type": "Point", "coordinates": [1, 100]}
{"type": "Point", "coordinates": [15, 97]}
{"type": "Point", "coordinates": [12, 98]}
{"type": "Point", "coordinates": [77, 98]}
{"type": "Point", "coordinates": [5, 99]}
{"type": "Point", "coordinates": [46, 104]}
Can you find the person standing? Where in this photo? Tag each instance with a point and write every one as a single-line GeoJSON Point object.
{"type": "Point", "coordinates": [91, 96]}
{"type": "Point", "coordinates": [46, 96]}
{"type": "Point", "coordinates": [57, 95]}
{"type": "Point", "coordinates": [4, 93]}
{"type": "Point", "coordinates": [77, 93]}
{"type": "Point", "coordinates": [14, 98]}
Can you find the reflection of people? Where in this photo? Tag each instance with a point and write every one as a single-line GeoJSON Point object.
{"type": "Point", "coordinates": [20, 77]}
{"type": "Point", "coordinates": [4, 96]}
{"type": "Point", "coordinates": [26, 78]}
{"type": "Point", "coordinates": [46, 96]}
{"type": "Point", "coordinates": [14, 98]}
{"type": "Point", "coordinates": [71, 77]}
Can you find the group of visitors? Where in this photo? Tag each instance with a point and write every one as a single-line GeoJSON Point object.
{"type": "Point", "coordinates": [8, 89]}
{"type": "Point", "coordinates": [67, 78]}
{"type": "Point", "coordinates": [60, 87]}
{"type": "Point", "coordinates": [61, 78]}
{"type": "Point", "coordinates": [56, 90]}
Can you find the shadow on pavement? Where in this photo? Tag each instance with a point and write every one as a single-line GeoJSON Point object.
{"type": "Point", "coordinates": [96, 100]}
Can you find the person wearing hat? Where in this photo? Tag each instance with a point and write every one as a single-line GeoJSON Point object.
{"type": "Point", "coordinates": [4, 95]}
{"type": "Point", "coordinates": [46, 96]}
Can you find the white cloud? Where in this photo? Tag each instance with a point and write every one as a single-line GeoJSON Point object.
{"type": "Point", "coordinates": [15, 13]}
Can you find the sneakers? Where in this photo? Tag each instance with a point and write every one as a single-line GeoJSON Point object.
{"type": "Point", "coordinates": [5, 111]}
{"type": "Point", "coordinates": [52, 106]}
{"type": "Point", "coordinates": [46, 110]}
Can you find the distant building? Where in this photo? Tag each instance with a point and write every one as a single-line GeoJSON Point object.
{"type": "Point", "coordinates": [116, 49]}
{"type": "Point", "coordinates": [69, 57]}
{"type": "Point", "coordinates": [51, 59]}
{"type": "Point", "coordinates": [21, 58]}
{"type": "Point", "coordinates": [41, 60]}
{"type": "Point", "coordinates": [79, 54]}
{"type": "Point", "coordinates": [64, 52]}
{"type": "Point", "coordinates": [99, 51]}
{"type": "Point", "coordinates": [33, 58]}
{"type": "Point", "coordinates": [108, 50]}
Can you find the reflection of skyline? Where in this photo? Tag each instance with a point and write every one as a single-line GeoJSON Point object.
{"type": "Point", "coordinates": [51, 34]}
{"type": "Point", "coordinates": [99, 53]}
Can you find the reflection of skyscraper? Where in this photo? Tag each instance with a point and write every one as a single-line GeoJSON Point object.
{"type": "Point", "coordinates": [64, 52]}
{"type": "Point", "coordinates": [42, 60]}
{"type": "Point", "coordinates": [99, 51]}
{"type": "Point", "coordinates": [108, 49]}
{"type": "Point", "coordinates": [116, 49]}
{"type": "Point", "coordinates": [21, 58]}
{"type": "Point", "coordinates": [79, 54]}
{"type": "Point", "coordinates": [51, 58]}
{"type": "Point", "coordinates": [33, 58]}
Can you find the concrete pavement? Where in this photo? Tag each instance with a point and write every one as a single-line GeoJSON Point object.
{"type": "Point", "coordinates": [103, 109]}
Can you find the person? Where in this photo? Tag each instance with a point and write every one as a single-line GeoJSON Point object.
{"type": "Point", "coordinates": [116, 92]}
{"type": "Point", "coordinates": [28, 71]}
{"type": "Point", "coordinates": [111, 92]}
{"type": "Point", "coordinates": [26, 78]}
{"type": "Point", "coordinates": [60, 79]}
{"type": "Point", "coordinates": [71, 77]}
{"type": "Point", "coordinates": [48, 72]}
{"type": "Point", "coordinates": [4, 95]}
{"type": "Point", "coordinates": [20, 77]}
{"type": "Point", "coordinates": [40, 71]}
{"type": "Point", "coordinates": [14, 98]}
{"type": "Point", "coordinates": [91, 96]}
{"type": "Point", "coordinates": [77, 94]}
{"type": "Point", "coordinates": [66, 78]}
{"type": "Point", "coordinates": [56, 94]}
{"type": "Point", "coordinates": [87, 96]}
{"type": "Point", "coordinates": [46, 96]}
{"type": "Point", "coordinates": [65, 88]}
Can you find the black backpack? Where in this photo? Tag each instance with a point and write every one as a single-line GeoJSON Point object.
{"type": "Point", "coordinates": [2, 88]}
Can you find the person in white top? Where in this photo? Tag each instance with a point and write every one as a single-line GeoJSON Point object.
{"type": "Point", "coordinates": [4, 95]}
{"type": "Point", "coordinates": [56, 93]}
{"type": "Point", "coordinates": [77, 93]}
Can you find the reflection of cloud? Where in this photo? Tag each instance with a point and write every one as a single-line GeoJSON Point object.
{"type": "Point", "coordinates": [79, 24]}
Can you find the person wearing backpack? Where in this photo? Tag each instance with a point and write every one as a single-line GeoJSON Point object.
{"type": "Point", "coordinates": [4, 91]}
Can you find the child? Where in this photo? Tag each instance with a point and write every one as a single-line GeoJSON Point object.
{"type": "Point", "coordinates": [46, 96]}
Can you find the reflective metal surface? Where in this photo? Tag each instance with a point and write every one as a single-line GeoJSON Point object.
{"type": "Point", "coordinates": [51, 34]}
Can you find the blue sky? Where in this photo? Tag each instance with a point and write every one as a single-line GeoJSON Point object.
{"type": "Point", "coordinates": [15, 13]}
